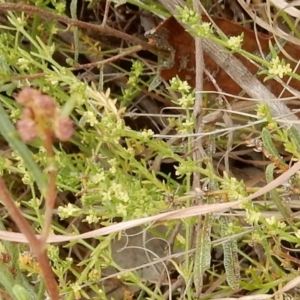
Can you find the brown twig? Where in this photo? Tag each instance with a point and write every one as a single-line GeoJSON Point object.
{"type": "Point", "coordinates": [198, 106]}
{"type": "Point", "coordinates": [105, 15]}
{"type": "Point", "coordinates": [36, 245]}
{"type": "Point", "coordinates": [5, 295]}
{"type": "Point", "coordinates": [175, 286]}
{"type": "Point", "coordinates": [84, 66]}
{"type": "Point", "coordinates": [198, 152]}
{"type": "Point", "coordinates": [108, 60]}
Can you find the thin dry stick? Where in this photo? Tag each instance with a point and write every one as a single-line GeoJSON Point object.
{"type": "Point", "coordinates": [198, 153]}
{"type": "Point", "coordinates": [239, 73]}
{"type": "Point", "coordinates": [175, 286]}
{"type": "Point", "coordinates": [198, 106]}
{"type": "Point", "coordinates": [227, 120]}
{"type": "Point", "coordinates": [105, 15]}
{"type": "Point", "coordinates": [127, 52]}
{"type": "Point", "coordinates": [99, 63]}
{"type": "Point", "coordinates": [36, 245]}
{"type": "Point", "coordinates": [5, 295]}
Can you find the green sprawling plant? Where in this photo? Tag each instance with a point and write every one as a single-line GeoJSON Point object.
{"type": "Point", "coordinates": [106, 172]}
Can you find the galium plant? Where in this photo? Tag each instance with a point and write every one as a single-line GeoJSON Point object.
{"type": "Point", "coordinates": [101, 174]}
{"type": "Point", "coordinates": [104, 174]}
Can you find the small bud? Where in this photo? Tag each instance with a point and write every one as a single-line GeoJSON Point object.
{"type": "Point", "coordinates": [45, 106]}
{"type": "Point", "coordinates": [26, 96]}
{"type": "Point", "coordinates": [64, 128]}
{"type": "Point", "coordinates": [27, 129]}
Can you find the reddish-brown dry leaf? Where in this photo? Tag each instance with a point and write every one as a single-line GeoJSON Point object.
{"type": "Point", "coordinates": [184, 61]}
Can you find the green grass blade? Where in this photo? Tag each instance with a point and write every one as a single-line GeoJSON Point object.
{"type": "Point", "coordinates": [7, 280]}
{"type": "Point", "coordinates": [20, 293]}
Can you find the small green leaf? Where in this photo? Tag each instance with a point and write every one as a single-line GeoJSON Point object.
{"type": "Point", "coordinates": [203, 252]}
{"type": "Point", "coordinates": [272, 49]}
{"type": "Point", "coordinates": [156, 81]}
{"type": "Point", "coordinates": [20, 293]}
{"type": "Point", "coordinates": [275, 196]}
{"type": "Point", "coordinates": [295, 137]}
{"type": "Point", "coordinates": [270, 148]}
{"type": "Point", "coordinates": [231, 261]}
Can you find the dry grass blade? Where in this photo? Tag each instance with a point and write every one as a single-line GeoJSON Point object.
{"type": "Point", "coordinates": [290, 285]}
{"type": "Point", "coordinates": [177, 214]}
{"type": "Point", "coordinates": [287, 7]}
{"type": "Point", "coordinates": [252, 297]}
{"type": "Point", "coordinates": [266, 25]}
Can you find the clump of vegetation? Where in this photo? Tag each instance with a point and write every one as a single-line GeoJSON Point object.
{"type": "Point", "coordinates": [91, 148]}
